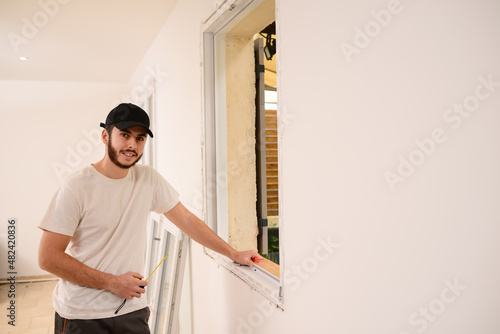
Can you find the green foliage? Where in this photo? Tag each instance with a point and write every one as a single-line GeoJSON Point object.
{"type": "Point", "coordinates": [274, 244]}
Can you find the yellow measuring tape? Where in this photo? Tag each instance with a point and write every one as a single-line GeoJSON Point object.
{"type": "Point", "coordinates": [125, 300]}
{"type": "Point", "coordinates": [157, 267]}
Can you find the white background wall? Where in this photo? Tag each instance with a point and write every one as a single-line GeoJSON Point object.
{"type": "Point", "coordinates": [49, 128]}
{"type": "Point", "coordinates": [344, 126]}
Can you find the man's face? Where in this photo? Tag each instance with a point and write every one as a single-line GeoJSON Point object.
{"type": "Point", "coordinates": [125, 147]}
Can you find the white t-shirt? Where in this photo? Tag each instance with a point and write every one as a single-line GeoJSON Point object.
{"type": "Point", "coordinates": [106, 219]}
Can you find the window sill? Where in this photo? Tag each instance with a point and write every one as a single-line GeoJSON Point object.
{"type": "Point", "coordinates": [259, 279]}
{"type": "Point", "coordinates": [271, 267]}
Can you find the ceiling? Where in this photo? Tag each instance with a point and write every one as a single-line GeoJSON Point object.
{"type": "Point", "coordinates": [77, 40]}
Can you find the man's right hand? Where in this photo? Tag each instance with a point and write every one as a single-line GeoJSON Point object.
{"type": "Point", "coordinates": [53, 258]}
{"type": "Point", "coordinates": [128, 285]}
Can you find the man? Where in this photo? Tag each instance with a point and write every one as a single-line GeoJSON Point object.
{"type": "Point", "coordinates": [94, 232]}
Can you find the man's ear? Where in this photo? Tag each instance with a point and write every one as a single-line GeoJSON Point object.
{"type": "Point", "coordinates": [105, 136]}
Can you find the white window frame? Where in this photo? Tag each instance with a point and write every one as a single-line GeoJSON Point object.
{"type": "Point", "coordinates": [149, 154]}
{"type": "Point", "coordinates": [215, 199]}
{"type": "Point", "coordinates": [162, 236]}
{"type": "Point", "coordinates": [171, 272]}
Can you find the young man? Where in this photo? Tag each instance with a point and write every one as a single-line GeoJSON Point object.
{"type": "Point", "coordinates": [94, 232]}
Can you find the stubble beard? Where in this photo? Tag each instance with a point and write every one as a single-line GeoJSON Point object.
{"type": "Point", "coordinates": [113, 156]}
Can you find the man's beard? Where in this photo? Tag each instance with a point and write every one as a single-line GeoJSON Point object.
{"type": "Point", "coordinates": [113, 156]}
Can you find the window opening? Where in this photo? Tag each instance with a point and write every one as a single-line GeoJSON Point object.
{"type": "Point", "coordinates": [266, 132]}
{"type": "Point", "coordinates": [232, 142]}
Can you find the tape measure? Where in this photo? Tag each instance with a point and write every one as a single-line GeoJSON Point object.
{"type": "Point", "coordinates": [142, 287]}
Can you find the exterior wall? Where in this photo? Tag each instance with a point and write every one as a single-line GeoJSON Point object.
{"type": "Point", "coordinates": [240, 109]}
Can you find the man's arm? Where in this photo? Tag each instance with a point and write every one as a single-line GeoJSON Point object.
{"type": "Point", "coordinates": [201, 233]}
{"type": "Point", "coordinates": [53, 258]}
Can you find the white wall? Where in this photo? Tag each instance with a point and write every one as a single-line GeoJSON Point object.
{"type": "Point", "coordinates": [397, 248]}
{"type": "Point", "coordinates": [49, 128]}
{"type": "Point", "coordinates": [344, 126]}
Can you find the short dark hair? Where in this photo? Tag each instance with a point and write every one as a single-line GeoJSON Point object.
{"type": "Point", "coordinates": [109, 128]}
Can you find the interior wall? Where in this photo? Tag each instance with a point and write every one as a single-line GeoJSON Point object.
{"type": "Point", "coordinates": [50, 130]}
{"type": "Point", "coordinates": [413, 256]}
{"type": "Point", "coordinates": [389, 165]}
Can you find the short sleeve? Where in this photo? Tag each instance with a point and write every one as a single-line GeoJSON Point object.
{"type": "Point", "coordinates": [165, 196]}
{"type": "Point", "coordinates": [63, 214]}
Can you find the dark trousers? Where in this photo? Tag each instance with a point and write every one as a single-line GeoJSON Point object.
{"type": "Point", "coordinates": [133, 323]}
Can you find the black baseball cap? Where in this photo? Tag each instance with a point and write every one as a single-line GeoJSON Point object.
{"type": "Point", "coordinates": [127, 115]}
